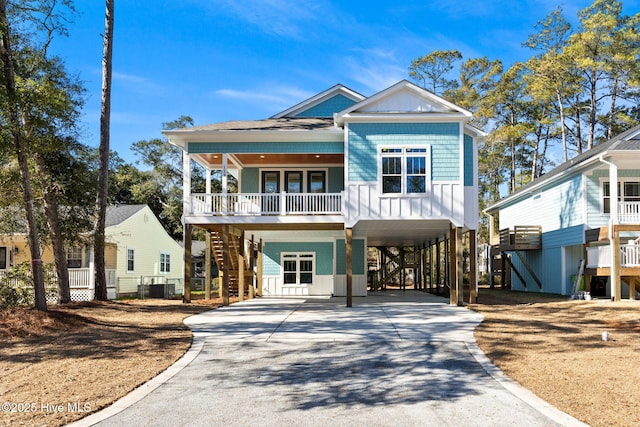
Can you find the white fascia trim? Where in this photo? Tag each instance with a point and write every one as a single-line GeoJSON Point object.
{"type": "Point", "coordinates": [397, 87]}
{"type": "Point", "coordinates": [402, 117]}
{"type": "Point", "coordinates": [333, 135]}
{"type": "Point", "coordinates": [475, 132]}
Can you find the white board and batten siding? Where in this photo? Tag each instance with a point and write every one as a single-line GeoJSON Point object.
{"type": "Point", "coordinates": [273, 286]}
{"type": "Point", "coordinates": [444, 201]}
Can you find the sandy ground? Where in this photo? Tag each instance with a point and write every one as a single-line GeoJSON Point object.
{"type": "Point", "coordinates": [57, 367]}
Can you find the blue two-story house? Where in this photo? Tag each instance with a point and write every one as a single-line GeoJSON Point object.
{"type": "Point", "coordinates": [319, 183]}
{"type": "Point", "coordinates": [573, 224]}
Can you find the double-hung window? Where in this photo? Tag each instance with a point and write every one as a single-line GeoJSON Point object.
{"type": "Point", "coordinates": [131, 255]}
{"type": "Point", "coordinates": [74, 257]}
{"type": "Point", "coordinates": [628, 191]}
{"type": "Point", "coordinates": [165, 263]}
{"type": "Point", "coordinates": [297, 268]}
{"type": "Point", "coordinates": [404, 170]}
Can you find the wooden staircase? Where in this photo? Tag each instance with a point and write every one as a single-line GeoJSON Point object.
{"type": "Point", "coordinates": [217, 249]}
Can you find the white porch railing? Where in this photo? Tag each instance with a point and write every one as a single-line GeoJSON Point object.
{"type": "Point", "coordinates": [600, 256]}
{"type": "Point", "coordinates": [629, 212]}
{"type": "Point", "coordinates": [81, 277]}
{"type": "Point", "coordinates": [267, 204]}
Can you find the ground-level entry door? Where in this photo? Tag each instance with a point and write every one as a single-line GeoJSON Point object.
{"type": "Point", "coordinates": [271, 191]}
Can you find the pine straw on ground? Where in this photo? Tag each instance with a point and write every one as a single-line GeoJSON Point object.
{"type": "Point", "coordinates": [554, 348]}
{"type": "Point", "coordinates": [85, 354]}
{"type": "Point", "coordinates": [92, 354]}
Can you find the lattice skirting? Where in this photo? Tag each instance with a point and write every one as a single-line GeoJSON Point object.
{"type": "Point", "coordinates": [77, 295]}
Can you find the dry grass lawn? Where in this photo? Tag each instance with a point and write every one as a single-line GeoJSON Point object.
{"type": "Point", "coordinates": [554, 348]}
{"type": "Point", "coordinates": [86, 356]}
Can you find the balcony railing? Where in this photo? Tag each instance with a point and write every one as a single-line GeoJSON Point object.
{"type": "Point", "coordinates": [267, 204]}
{"type": "Point", "coordinates": [629, 212]}
{"type": "Point", "coordinates": [600, 256]}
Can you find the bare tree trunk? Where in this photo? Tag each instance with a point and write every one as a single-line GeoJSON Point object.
{"type": "Point", "coordinates": [578, 126]}
{"type": "Point", "coordinates": [23, 164]}
{"type": "Point", "coordinates": [59, 253]}
{"type": "Point", "coordinates": [612, 109]}
{"type": "Point", "coordinates": [563, 130]}
{"type": "Point", "coordinates": [105, 116]}
{"type": "Point", "coordinates": [593, 113]}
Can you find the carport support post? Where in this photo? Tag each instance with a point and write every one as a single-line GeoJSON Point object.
{"type": "Point", "coordinates": [225, 265]}
{"type": "Point", "coordinates": [207, 265]}
{"type": "Point", "coordinates": [241, 267]}
{"type": "Point", "coordinates": [349, 261]}
{"type": "Point", "coordinates": [259, 273]}
{"type": "Point", "coordinates": [473, 267]}
{"type": "Point", "coordinates": [453, 265]}
{"type": "Point", "coordinates": [186, 294]}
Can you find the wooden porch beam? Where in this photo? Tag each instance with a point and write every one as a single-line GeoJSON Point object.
{"type": "Point", "coordinates": [225, 265]}
{"type": "Point", "coordinates": [259, 273]}
{"type": "Point", "coordinates": [349, 262]}
{"type": "Point", "coordinates": [186, 294]}
{"type": "Point", "coordinates": [473, 267]}
{"type": "Point", "coordinates": [207, 266]}
{"type": "Point", "coordinates": [241, 268]}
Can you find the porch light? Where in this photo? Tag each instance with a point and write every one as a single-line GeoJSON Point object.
{"type": "Point", "coordinates": [262, 156]}
{"type": "Point", "coordinates": [317, 156]}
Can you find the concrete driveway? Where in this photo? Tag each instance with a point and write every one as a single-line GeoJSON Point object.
{"type": "Point", "coordinates": [394, 359]}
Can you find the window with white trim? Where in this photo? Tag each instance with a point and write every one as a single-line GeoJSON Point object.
{"type": "Point", "coordinates": [74, 257]}
{"type": "Point", "coordinates": [165, 263]}
{"type": "Point", "coordinates": [628, 191]}
{"type": "Point", "coordinates": [131, 257]}
{"type": "Point", "coordinates": [404, 170]}
{"type": "Point", "coordinates": [298, 268]}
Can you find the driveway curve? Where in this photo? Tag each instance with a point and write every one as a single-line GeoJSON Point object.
{"type": "Point", "coordinates": [393, 359]}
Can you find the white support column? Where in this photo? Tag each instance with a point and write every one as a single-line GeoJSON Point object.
{"type": "Point", "coordinates": [186, 183]}
{"type": "Point", "coordinates": [208, 180]}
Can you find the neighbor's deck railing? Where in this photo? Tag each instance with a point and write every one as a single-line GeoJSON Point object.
{"type": "Point", "coordinates": [267, 204]}
{"type": "Point", "coordinates": [600, 256]}
{"type": "Point", "coordinates": [629, 212]}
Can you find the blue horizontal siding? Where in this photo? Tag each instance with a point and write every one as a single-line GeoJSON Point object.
{"type": "Point", "coordinates": [365, 138]}
{"type": "Point", "coordinates": [273, 250]}
{"type": "Point", "coordinates": [563, 237]}
{"type": "Point", "coordinates": [328, 107]}
{"type": "Point", "coordinates": [468, 161]}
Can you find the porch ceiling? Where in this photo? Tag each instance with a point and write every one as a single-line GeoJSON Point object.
{"type": "Point", "coordinates": [214, 160]}
{"type": "Point", "coordinates": [401, 232]}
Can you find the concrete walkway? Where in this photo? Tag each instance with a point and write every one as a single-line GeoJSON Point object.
{"type": "Point", "coordinates": [394, 359]}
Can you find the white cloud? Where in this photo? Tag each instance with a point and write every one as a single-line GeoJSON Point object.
{"type": "Point", "coordinates": [138, 84]}
{"type": "Point", "coordinates": [271, 97]}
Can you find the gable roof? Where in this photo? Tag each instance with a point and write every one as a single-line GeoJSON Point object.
{"type": "Point", "coordinates": [403, 98]}
{"type": "Point", "coordinates": [629, 140]}
{"type": "Point", "coordinates": [118, 214]}
{"type": "Point", "coordinates": [334, 91]}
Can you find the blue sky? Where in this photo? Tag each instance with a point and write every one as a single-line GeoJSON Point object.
{"type": "Point", "coordinates": [219, 60]}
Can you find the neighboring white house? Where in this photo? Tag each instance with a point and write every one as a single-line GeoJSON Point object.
{"type": "Point", "coordinates": [138, 251]}
{"type": "Point", "coordinates": [323, 180]}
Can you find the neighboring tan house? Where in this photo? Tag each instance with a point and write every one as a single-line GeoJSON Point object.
{"type": "Point", "coordinates": [138, 251]}
{"type": "Point", "coordinates": [323, 180]}
{"type": "Point", "coordinates": [572, 221]}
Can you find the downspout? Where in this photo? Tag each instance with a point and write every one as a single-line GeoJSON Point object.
{"type": "Point", "coordinates": [613, 220]}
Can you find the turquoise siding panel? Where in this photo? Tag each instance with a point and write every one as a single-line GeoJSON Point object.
{"type": "Point", "coordinates": [336, 180]}
{"type": "Point", "coordinates": [468, 161]}
{"type": "Point", "coordinates": [358, 257]}
{"type": "Point", "coordinates": [250, 180]}
{"type": "Point", "coordinates": [547, 263]}
{"type": "Point", "coordinates": [329, 147]}
{"type": "Point", "coordinates": [554, 208]}
{"type": "Point", "coordinates": [273, 250]}
{"type": "Point", "coordinates": [328, 107]}
{"type": "Point", "coordinates": [365, 138]}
